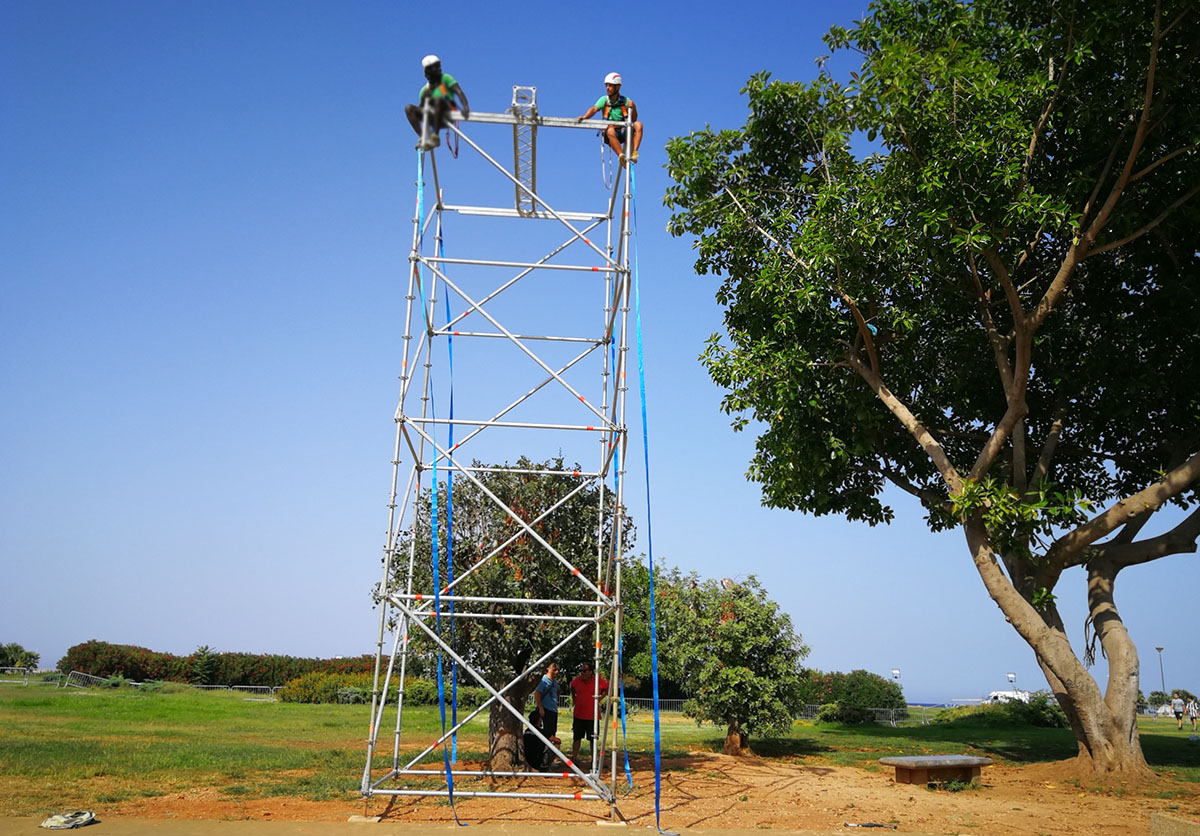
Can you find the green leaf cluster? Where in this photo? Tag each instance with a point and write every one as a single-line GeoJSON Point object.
{"type": "Point", "coordinates": [885, 238]}
{"type": "Point", "coordinates": [735, 652]}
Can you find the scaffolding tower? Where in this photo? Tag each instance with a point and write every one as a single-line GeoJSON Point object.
{"type": "Point", "coordinates": [552, 288]}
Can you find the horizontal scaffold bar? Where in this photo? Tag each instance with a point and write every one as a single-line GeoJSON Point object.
{"type": "Point", "coordinates": [479, 599]}
{"type": "Point", "coordinates": [473, 773]}
{"type": "Point", "coordinates": [504, 212]}
{"type": "Point", "coordinates": [566, 796]}
{"type": "Point", "coordinates": [539, 121]}
{"type": "Point", "coordinates": [538, 265]}
{"type": "Point", "coordinates": [519, 425]}
{"type": "Point", "coordinates": [484, 334]}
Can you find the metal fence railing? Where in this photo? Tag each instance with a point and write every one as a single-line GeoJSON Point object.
{"type": "Point", "coordinates": [879, 715]}
{"type": "Point", "coordinates": [248, 689]}
{"type": "Point", "coordinates": [647, 704]}
{"type": "Point", "coordinates": [79, 679]}
{"type": "Point", "coordinates": [14, 676]}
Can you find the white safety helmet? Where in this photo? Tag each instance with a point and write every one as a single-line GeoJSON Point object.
{"type": "Point", "coordinates": [429, 60]}
{"type": "Point", "coordinates": [613, 78]}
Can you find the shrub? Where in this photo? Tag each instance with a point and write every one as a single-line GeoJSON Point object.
{"type": "Point", "coordinates": [838, 712]}
{"type": "Point", "coordinates": [420, 692]}
{"type": "Point", "coordinates": [203, 667]}
{"type": "Point", "coordinates": [348, 695]}
{"type": "Point", "coordinates": [315, 687]}
{"type": "Point", "coordinates": [320, 687]}
{"type": "Point", "coordinates": [845, 697]}
{"type": "Point", "coordinates": [1042, 710]}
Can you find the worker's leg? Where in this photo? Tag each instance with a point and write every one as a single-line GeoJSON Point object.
{"type": "Point", "coordinates": [414, 117]}
{"type": "Point", "coordinates": [637, 136]}
{"type": "Point", "coordinates": [614, 141]}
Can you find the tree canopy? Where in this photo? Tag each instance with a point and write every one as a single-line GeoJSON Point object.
{"type": "Point", "coordinates": [971, 272]}
{"type": "Point", "coordinates": [509, 563]}
{"type": "Point", "coordinates": [736, 653]}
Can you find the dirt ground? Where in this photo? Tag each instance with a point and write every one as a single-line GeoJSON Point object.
{"type": "Point", "coordinates": [712, 791]}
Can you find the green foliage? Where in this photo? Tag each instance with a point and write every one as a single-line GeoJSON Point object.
{"type": "Point", "coordinates": [519, 567]}
{"type": "Point", "coordinates": [1042, 711]}
{"type": "Point", "coordinates": [350, 688]}
{"type": "Point", "coordinates": [347, 695]}
{"type": "Point", "coordinates": [735, 651]}
{"type": "Point", "coordinates": [994, 309]}
{"type": "Point", "coordinates": [12, 655]}
{"type": "Point", "coordinates": [140, 664]}
{"type": "Point", "coordinates": [847, 697]}
{"type": "Point", "coordinates": [202, 666]}
{"type": "Point", "coordinates": [803, 233]}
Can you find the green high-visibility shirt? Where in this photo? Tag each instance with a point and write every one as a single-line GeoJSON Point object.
{"type": "Point", "coordinates": [445, 90]}
{"type": "Point", "coordinates": [613, 111]}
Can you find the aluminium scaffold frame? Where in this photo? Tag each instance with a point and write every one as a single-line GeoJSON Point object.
{"type": "Point", "coordinates": [590, 603]}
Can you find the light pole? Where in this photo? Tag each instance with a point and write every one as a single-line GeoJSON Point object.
{"type": "Point", "coordinates": [1162, 678]}
{"type": "Point", "coordinates": [896, 674]}
{"type": "Point", "coordinates": [1012, 680]}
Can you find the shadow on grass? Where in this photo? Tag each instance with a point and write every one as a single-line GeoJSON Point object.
{"type": "Point", "coordinates": [1172, 752]}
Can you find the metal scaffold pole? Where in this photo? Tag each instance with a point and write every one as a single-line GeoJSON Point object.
{"type": "Point", "coordinates": [530, 311]}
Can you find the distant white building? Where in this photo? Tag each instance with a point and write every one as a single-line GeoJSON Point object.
{"type": "Point", "coordinates": [1009, 696]}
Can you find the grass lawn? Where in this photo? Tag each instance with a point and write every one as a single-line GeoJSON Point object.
{"type": "Point", "coordinates": [108, 746]}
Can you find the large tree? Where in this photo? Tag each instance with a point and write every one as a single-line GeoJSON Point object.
{"type": "Point", "coordinates": [547, 495]}
{"type": "Point", "coordinates": [972, 273]}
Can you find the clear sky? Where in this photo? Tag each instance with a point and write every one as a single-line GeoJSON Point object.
{"type": "Point", "coordinates": [205, 211]}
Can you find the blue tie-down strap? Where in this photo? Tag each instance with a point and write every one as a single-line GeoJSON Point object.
{"type": "Point", "coordinates": [637, 297]}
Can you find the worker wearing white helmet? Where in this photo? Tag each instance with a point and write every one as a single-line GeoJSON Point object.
{"type": "Point", "coordinates": [444, 94]}
{"type": "Point", "coordinates": [617, 108]}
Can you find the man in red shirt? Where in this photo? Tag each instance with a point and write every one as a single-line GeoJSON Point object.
{"type": "Point", "coordinates": [583, 706]}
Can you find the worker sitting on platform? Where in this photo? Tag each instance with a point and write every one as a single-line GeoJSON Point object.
{"type": "Point", "coordinates": [442, 94]}
{"type": "Point", "coordinates": [615, 107]}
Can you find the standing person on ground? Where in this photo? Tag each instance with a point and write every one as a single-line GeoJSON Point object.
{"type": "Point", "coordinates": [615, 108]}
{"type": "Point", "coordinates": [583, 706]}
{"type": "Point", "coordinates": [546, 698]}
{"type": "Point", "coordinates": [1177, 708]}
{"type": "Point", "coordinates": [1193, 710]}
{"type": "Point", "coordinates": [444, 93]}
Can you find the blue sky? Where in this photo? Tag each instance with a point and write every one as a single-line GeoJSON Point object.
{"type": "Point", "coordinates": [204, 225]}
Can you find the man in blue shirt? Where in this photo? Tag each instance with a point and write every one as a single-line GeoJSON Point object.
{"type": "Point", "coordinates": [546, 698]}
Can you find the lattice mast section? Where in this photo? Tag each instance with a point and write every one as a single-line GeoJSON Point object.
{"type": "Point", "coordinates": [583, 370]}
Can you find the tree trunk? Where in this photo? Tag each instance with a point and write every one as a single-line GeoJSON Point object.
{"type": "Point", "coordinates": [735, 740]}
{"type": "Point", "coordinates": [505, 730]}
{"type": "Point", "coordinates": [1105, 724]}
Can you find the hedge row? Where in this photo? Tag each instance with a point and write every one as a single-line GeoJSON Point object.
{"type": "Point", "coordinates": [318, 687]}
{"type": "Point", "coordinates": [847, 697]}
{"type": "Point", "coordinates": [202, 667]}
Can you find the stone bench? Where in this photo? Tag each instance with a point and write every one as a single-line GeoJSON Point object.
{"type": "Point", "coordinates": [925, 769]}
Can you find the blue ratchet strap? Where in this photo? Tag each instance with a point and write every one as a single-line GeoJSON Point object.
{"type": "Point", "coordinates": [450, 528]}
{"type": "Point", "coordinates": [637, 303]}
{"type": "Point", "coordinates": [437, 586]}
